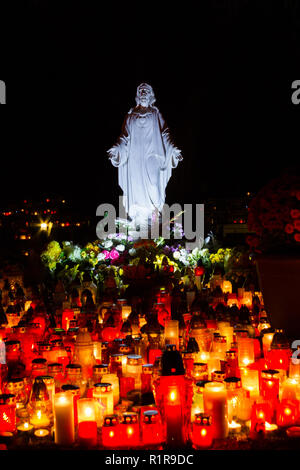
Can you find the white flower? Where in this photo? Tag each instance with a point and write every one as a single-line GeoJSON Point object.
{"type": "Point", "coordinates": [108, 244]}
{"type": "Point", "coordinates": [132, 252]}
{"type": "Point", "coordinates": [111, 236]}
{"type": "Point", "coordinates": [76, 254]}
{"type": "Point", "coordinates": [101, 257]}
{"type": "Point", "coordinates": [120, 247]}
{"type": "Point", "coordinates": [176, 255]}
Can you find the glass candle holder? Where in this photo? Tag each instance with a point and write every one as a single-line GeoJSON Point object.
{"type": "Point", "coordinates": [113, 379]}
{"type": "Point", "coordinates": [127, 384]}
{"type": "Point", "coordinates": [147, 378]}
{"type": "Point", "coordinates": [220, 347]}
{"type": "Point", "coordinates": [202, 431]}
{"type": "Point", "coordinates": [64, 429]}
{"type": "Point", "coordinates": [129, 430]}
{"type": "Point", "coordinates": [151, 428]}
{"type": "Point", "coordinates": [171, 333]}
{"type": "Point", "coordinates": [7, 413]}
{"type": "Point", "coordinates": [218, 376]}
{"type": "Point", "coordinates": [250, 381]}
{"type": "Point", "coordinates": [245, 351]}
{"type": "Point", "coordinates": [215, 404]}
{"type": "Point", "coordinates": [231, 366]}
{"type": "Point", "coordinates": [110, 435]}
{"type": "Point", "coordinates": [134, 369]}
{"type": "Point", "coordinates": [270, 384]}
{"type": "Point", "coordinates": [200, 371]}
{"type": "Point", "coordinates": [87, 422]}
{"type": "Point", "coordinates": [74, 377]}
{"type": "Point", "coordinates": [103, 393]}
{"type": "Point", "coordinates": [287, 413]}
{"type": "Point", "coordinates": [40, 406]}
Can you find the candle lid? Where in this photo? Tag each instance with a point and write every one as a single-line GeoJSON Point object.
{"type": "Point", "coordinates": [129, 418]}
{"type": "Point", "coordinates": [150, 416]}
{"type": "Point", "coordinates": [105, 386]}
{"type": "Point", "coordinates": [269, 373]}
{"type": "Point", "coordinates": [111, 420]}
{"type": "Point", "coordinates": [232, 383]}
{"type": "Point", "coordinates": [218, 375]}
{"type": "Point", "coordinates": [203, 419]}
{"type": "Point", "coordinates": [69, 387]}
{"type": "Point", "coordinates": [7, 399]}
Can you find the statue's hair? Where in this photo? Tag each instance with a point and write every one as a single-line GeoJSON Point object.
{"type": "Point", "coordinates": [152, 97]}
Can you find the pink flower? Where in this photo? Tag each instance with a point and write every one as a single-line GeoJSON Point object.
{"type": "Point", "coordinates": [106, 254]}
{"type": "Point", "coordinates": [114, 254]}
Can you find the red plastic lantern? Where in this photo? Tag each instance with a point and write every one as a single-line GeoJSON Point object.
{"type": "Point", "coordinates": [129, 430]}
{"type": "Point", "coordinates": [202, 435]}
{"type": "Point", "coordinates": [287, 413]}
{"type": "Point", "coordinates": [151, 428]}
{"type": "Point", "coordinates": [111, 432]}
{"type": "Point", "coordinates": [7, 413]}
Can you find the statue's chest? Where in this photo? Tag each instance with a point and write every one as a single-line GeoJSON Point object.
{"type": "Point", "coordinates": [143, 121]}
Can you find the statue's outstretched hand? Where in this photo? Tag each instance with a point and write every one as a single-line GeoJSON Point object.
{"type": "Point", "coordinates": [179, 157]}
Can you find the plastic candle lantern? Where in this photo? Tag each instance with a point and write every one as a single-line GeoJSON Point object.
{"type": "Point", "coordinates": [287, 413]}
{"type": "Point", "coordinates": [218, 376]}
{"type": "Point", "coordinates": [111, 432]}
{"type": "Point", "coordinates": [245, 351]}
{"type": "Point", "coordinates": [294, 369]}
{"type": "Point", "coordinates": [74, 377]}
{"type": "Point", "coordinates": [7, 413]}
{"type": "Point", "coordinates": [202, 433]}
{"type": "Point", "coordinates": [97, 351]}
{"type": "Point", "coordinates": [227, 331]}
{"type": "Point", "coordinates": [200, 371]}
{"type": "Point", "coordinates": [87, 423]}
{"type": "Point", "coordinates": [231, 366]}
{"type": "Point", "coordinates": [289, 389]}
{"type": "Point", "coordinates": [38, 367]}
{"type": "Point", "coordinates": [16, 387]}
{"type": "Point", "coordinates": [267, 340]}
{"type": "Point", "coordinates": [198, 405]}
{"type": "Point", "coordinates": [213, 364]}
{"type": "Point", "coordinates": [215, 404]}
{"type": "Point", "coordinates": [220, 347]}
{"type": "Point", "coordinates": [50, 384]}
{"type": "Point", "coordinates": [55, 370]}
{"type": "Point", "coordinates": [172, 332]}
{"type": "Point", "coordinates": [84, 353]}
{"type": "Point", "coordinates": [40, 406]}
{"type": "Point", "coordinates": [235, 398]}
{"type": "Point", "coordinates": [126, 310]}
{"type": "Point", "coordinates": [270, 384]}
{"type": "Point", "coordinates": [147, 378]}
{"type": "Point", "coordinates": [151, 428]}
{"type": "Point", "coordinates": [247, 299]}
{"type": "Point", "coordinates": [104, 393]}
{"type": "Point", "coordinates": [129, 430]}
{"type": "Point", "coordinates": [173, 396]}
{"type": "Point", "coordinates": [260, 414]}
{"type": "Point", "coordinates": [250, 381]}
{"type": "Point", "coordinates": [126, 386]}
{"type": "Point", "coordinates": [134, 369]}
{"type": "Point", "coordinates": [113, 379]}
{"type": "Point", "coordinates": [67, 316]}
{"type": "Point", "coordinates": [64, 419]}
{"type": "Point", "coordinates": [115, 365]}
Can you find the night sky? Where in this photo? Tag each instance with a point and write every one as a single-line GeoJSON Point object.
{"type": "Point", "coordinates": [221, 73]}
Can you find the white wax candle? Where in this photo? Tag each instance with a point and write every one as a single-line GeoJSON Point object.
{"type": "Point", "coordinates": [64, 418]}
{"type": "Point", "coordinates": [215, 404]}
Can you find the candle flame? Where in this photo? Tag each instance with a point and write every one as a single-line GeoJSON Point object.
{"type": "Point", "coordinates": [203, 432]}
{"type": "Point", "coordinates": [173, 396]}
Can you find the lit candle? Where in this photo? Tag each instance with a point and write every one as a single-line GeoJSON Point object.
{"type": "Point", "coordinates": [289, 389]}
{"type": "Point", "coordinates": [215, 404]}
{"type": "Point", "coordinates": [103, 393]}
{"type": "Point", "coordinates": [287, 413]}
{"type": "Point", "coordinates": [245, 351]}
{"type": "Point", "coordinates": [87, 422]}
{"type": "Point", "coordinates": [39, 418]}
{"type": "Point", "coordinates": [202, 432]}
{"type": "Point", "coordinates": [41, 433]}
{"type": "Point", "coordinates": [151, 428]}
{"type": "Point", "coordinates": [267, 341]}
{"type": "Point", "coordinates": [227, 287]}
{"type": "Point", "coordinates": [110, 432]}
{"type": "Point", "coordinates": [113, 379]}
{"type": "Point", "coordinates": [25, 427]}
{"type": "Point", "coordinates": [64, 418]}
{"type": "Point", "coordinates": [250, 381]}
{"type": "Point", "coordinates": [129, 430]}
{"type": "Point", "coordinates": [171, 332]}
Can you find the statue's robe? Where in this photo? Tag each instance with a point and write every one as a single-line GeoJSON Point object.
{"type": "Point", "coordinates": [145, 157]}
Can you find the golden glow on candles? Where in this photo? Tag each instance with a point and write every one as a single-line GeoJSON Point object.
{"type": "Point", "coordinates": [64, 418]}
{"type": "Point", "coordinates": [41, 433]}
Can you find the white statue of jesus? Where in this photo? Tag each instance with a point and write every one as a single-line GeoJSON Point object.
{"type": "Point", "coordinates": [145, 157]}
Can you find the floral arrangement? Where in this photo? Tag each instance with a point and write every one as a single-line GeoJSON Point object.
{"type": "Point", "coordinates": [274, 217]}
{"type": "Point", "coordinates": [130, 260]}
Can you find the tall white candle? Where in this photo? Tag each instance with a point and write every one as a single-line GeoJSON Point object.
{"type": "Point", "coordinates": [215, 404]}
{"type": "Point", "coordinates": [64, 418]}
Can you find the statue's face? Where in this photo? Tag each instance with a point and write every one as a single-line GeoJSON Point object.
{"type": "Point", "coordinates": [144, 96]}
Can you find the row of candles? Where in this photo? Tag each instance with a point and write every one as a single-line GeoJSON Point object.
{"type": "Point", "coordinates": [229, 380]}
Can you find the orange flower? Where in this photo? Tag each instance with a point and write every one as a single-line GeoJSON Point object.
{"type": "Point", "coordinates": [289, 228]}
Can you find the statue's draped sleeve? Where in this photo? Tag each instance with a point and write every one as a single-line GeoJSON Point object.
{"type": "Point", "coordinates": [119, 152]}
